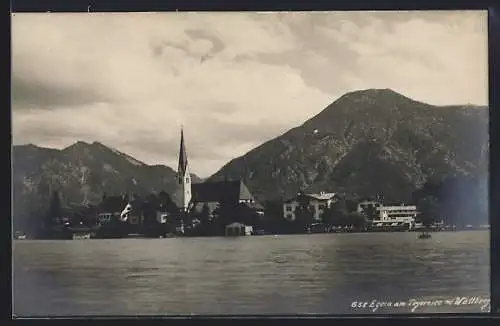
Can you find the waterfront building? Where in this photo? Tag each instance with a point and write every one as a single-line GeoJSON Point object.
{"type": "Point", "coordinates": [316, 203]}
{"type": "Point", "coordinates": [238, 229]}
{"type": "Point", "coordinates": [396, 216]}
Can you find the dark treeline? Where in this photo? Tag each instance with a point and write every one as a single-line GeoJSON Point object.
{"type": "Point", "coordinates": [56, 220]}
{"type": "Point", "coordinates": [456, 201]}
{"type": "Point", "coordinates": [342, 213]}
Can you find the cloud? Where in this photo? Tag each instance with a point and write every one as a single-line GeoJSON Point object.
{"type": "Point", "coordinates": [415, 53]}
{"type": "Point", "coordinates": [234, 80]}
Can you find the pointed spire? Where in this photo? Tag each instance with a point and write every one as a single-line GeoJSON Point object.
{"type": "Point", "coordinates": [181, 170]}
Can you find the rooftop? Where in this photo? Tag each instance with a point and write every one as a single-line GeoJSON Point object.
{"type": "Point", "coordinates": [318, 196]}
{"type": "Point", "coordinates": [233, 191]}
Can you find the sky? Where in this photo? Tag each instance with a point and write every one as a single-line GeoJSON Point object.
{"type": "Point", "coordinates": [232, 80]}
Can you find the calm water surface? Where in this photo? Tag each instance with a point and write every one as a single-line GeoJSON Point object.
{"type": "Point", "coordinates": [321, 273]}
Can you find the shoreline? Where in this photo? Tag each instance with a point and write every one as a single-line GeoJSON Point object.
{"type": "Point", "coordinates": [137, 236]}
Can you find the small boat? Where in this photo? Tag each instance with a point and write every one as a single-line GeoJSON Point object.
{"type": "Point", "coordinates": [20, 236]}
{"type": "Point", "coordinates": [424, 235]}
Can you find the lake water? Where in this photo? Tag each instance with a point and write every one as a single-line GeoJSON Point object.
{"type": "Point", "coordinates": [318, 273]}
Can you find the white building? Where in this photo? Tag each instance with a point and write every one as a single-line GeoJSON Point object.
{"type": "Point", "coordinates": [396, 216]}
{"type": "Point", "coordinates": [316, 203]}
{"type": "Point", "coordinates": [390, 216]}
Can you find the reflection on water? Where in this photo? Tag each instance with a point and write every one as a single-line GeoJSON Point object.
{"type": "Point", "coordinates": [322, 273]}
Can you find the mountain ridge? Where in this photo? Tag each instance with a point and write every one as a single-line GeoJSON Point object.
{"type": "Point", "coordinates": [367, 142]}
{"type": "Point", "coordinates": [375, 125]}
{"type": "Point", "coordinates": [82, 173]}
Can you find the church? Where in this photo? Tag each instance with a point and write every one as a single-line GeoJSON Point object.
{"type": "Point", "coordinates": [194, 197]}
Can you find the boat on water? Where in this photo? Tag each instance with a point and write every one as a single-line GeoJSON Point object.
{"type": "Point", "coordinates": [168, 235]}
{"type": "Point", "coordinates": [19, 236]}
{"type": "Point", "coordinates": [424, 235]}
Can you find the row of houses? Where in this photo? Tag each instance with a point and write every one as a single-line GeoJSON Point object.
{"type": "Point", "coordinates": [385, 216]}
{"type": "Point", "coordinates": [137, 212]}
{"type": "Point", "coordinates": [199, 197]}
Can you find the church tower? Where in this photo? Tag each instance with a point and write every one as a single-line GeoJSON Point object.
{"type": "Point", "coordinates": [184, 178]}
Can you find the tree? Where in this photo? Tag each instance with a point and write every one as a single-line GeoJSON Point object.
{"type": "Point", "coordinates": [166, 202]}
{"type": "Point", "coordinates": [54, 210]}
{"type": "Point", "coordinates": [247, 215]}
{"type": "Point", "coordinates": [336, 214]}
{"type": "Point", "coordinates": [357, 220]}
{"type": "Point", "coordinates": [429, 209]}
{"type": "Point", "coordinates": [151, 226]}
{"type": "Point", "coordinates": [371, 212]}
{"type": "Point", "coordinates": [274, 220]}
{"type": "Point", "coordinates": [207, 226]}
{"type": "Point", "coordinates": [303, 217]}
{"type": "Point", "coordinates": [224, 214]}
{"type": "Point", "coordinates": [204, 214]}
{"type": "Point", "coordinates": [327, 217]}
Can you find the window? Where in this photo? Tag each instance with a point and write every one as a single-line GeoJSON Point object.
{"type": "Point", "coordinates": [187, 179]}
{"type": "Point", "coordinates": [322, 206]}
{"type": "Point", "coordinates": [289, 216]}
{"type": "Point", "coordinates": [289, 208]}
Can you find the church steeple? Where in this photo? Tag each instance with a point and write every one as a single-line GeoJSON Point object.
{"type": "Point", "coordinates": [184, 178]}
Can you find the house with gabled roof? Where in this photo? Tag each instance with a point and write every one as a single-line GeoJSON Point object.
{"type": "Point", "coordinates": [110, 208]}
{"type": "Point", "coordinates": [133, 211]}
{"type": "Point", "coordinates": [212, 194]}
{"type": "Point", "coordinates": [315, 203]}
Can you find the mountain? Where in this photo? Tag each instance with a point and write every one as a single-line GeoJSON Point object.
{"type": "Point", "coordinates": [82, 173]}
{"type": "Point", "coordinates": [366, 143]}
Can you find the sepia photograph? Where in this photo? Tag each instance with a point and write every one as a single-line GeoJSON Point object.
{"type": "Point", "coordinates": [250, 163]}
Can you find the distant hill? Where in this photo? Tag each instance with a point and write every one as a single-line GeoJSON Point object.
{"type": "Point", "coordinates": [82, 173]}
{"type": "Point", "coordinates": [368, 142]}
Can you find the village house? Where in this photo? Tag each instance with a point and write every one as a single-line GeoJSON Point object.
{"type": "Point", "coordinates": [110, 208]}
{"type": "Point", "coordinates": [161, 207]}
{"type": "Point", "coordinates": [140, 213]}
{"type": "Point", "coordinates": [133, 212]}
{"type": "Point", "coordinates": [316, 203]}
